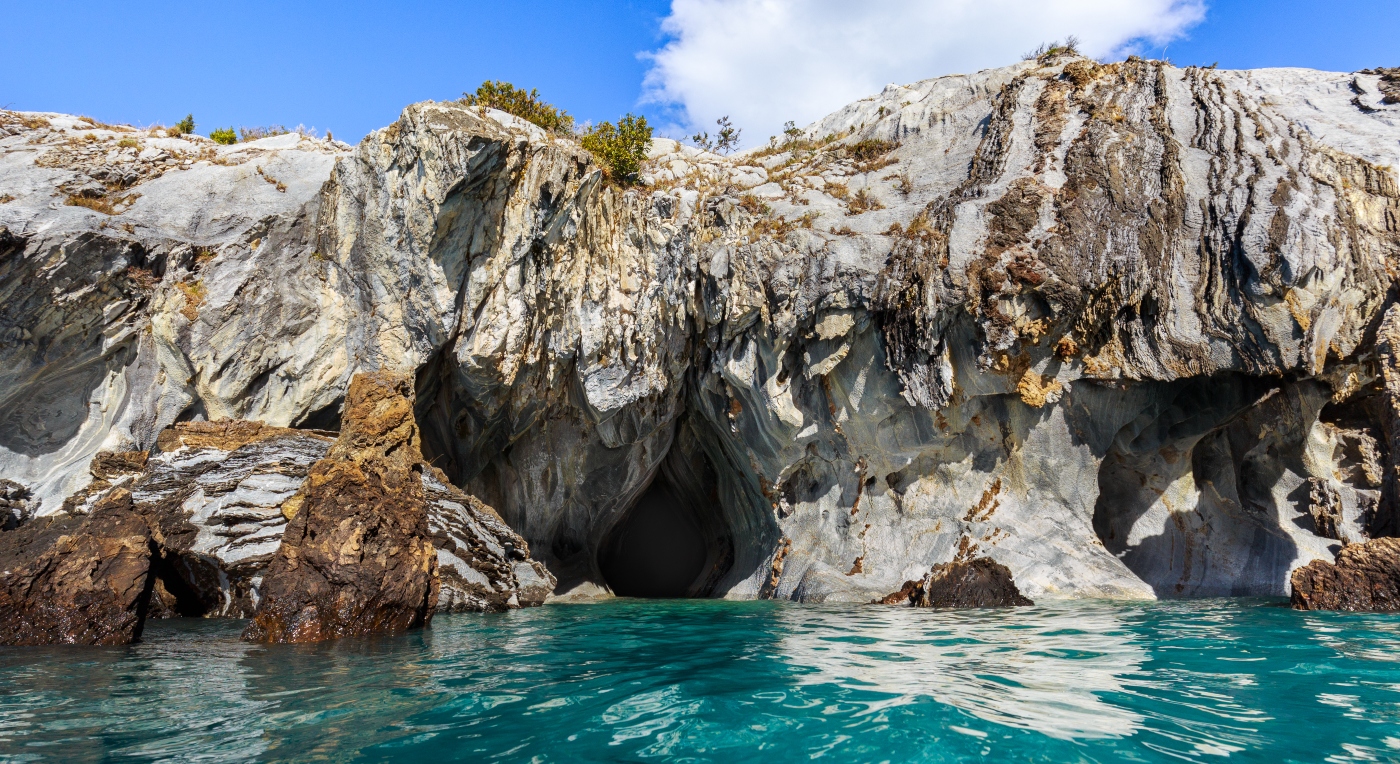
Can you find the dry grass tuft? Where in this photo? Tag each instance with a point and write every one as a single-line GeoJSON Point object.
{"type": "Point", "coordinates": [275, 182]}
{"type": "Point", "coordinates": [902, 183]}
{"type": "Point", "coordinates": [105, 204]}
{"type": "Point", "coordinates": [862, 201]}
{"type": "Point", "coordinates": [15, 118]}
{"type": "Point", "coordinates": [6, 198]}
{"type": "Point", "coordinates": [754, 205]}
{"type": "Point", "coordinates": [142, 278]}
{"type": "Point", "coordinates": [106, 126]}
{"type": "Point", "coordinates": [1083, 72]}
{"type": "Point", "coordinates": [194, 297]}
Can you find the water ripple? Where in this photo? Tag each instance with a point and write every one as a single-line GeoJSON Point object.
{"type": "Point", "coordinates": [733, 682]}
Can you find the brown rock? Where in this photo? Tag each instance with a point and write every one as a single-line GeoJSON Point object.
{"type": "Point", "coordinates": [109, 464]}
{"type": "Point", "coordinates": [963, 584]}
{"type": "Point", "coordinates": [224, 434]}
{"type": "Point", "coordinates": [76, 580]}
{"type": "Point", "coordinates": [14, 505]}
{"type": "Point", "coordinates": [357, 558]}
{"type": "Point", "coordinates": [1365, 578]}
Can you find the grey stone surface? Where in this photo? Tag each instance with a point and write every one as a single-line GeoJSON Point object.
{"type": "Point", "coordinates": [1112, 327]}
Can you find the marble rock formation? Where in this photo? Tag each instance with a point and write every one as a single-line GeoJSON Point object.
{"type": "Point", "coordinates": [1119, 328]}
{"type": "Point", "coordinates": [191, 529]}
{"type": "Point", "coordinates": [1364, 578]}
{"type": "Point", "coordinates": [357, 557]}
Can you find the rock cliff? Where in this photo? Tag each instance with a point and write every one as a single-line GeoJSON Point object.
{"type": "Point", "coordinates": [1116, 328]}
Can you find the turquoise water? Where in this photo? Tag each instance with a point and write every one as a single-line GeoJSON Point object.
{"type": "Point", "coordinates": [733, 682]}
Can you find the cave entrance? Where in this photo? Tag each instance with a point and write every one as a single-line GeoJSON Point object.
{"type": "Point", "coordinates": [658, 548]}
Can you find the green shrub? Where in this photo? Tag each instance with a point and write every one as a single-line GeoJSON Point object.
{"type": "Point", "coordinates": [183, 127]}
{"type": "Point", "coordinates": [225, 136]}
{"type": "Point", "coordinates": [526, 105]}
{"type": "Point", "coordinates": [621, 149]}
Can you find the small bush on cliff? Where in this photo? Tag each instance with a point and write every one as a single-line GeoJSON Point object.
{"type": "Point", "coordinates": [183, 127]}
{"type": "Point", "coordinates": [258, 133]}
{"type": "Point", "coordinates": [526, 105]}
{"type": "Point", "coordinates": [224, 136]}
{"type": "Point", "coordinates": [620, 148]}
{"type": "Point", "coordinates": [725, 141]}
{"type": "Point", "coordinates": [1049, 50]}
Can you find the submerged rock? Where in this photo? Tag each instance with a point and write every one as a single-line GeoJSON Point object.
{"type": "Point", "coordinates": [356, 558]}
{"type": "Point", "coordinates": [961, 584]}
{"type": "Point", "coordinates": [1365, 578]}
{"type": "Point", "coordinates": [80, 581]}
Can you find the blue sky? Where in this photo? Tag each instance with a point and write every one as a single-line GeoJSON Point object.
{"type": "Point", "coordinates": [351, 66]}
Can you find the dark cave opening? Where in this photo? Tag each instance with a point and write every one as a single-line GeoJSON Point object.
{"type": "Point", "coordinates": [657, 549]}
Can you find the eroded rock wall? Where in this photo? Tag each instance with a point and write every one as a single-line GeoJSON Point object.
{"type": "Point", "coordinates": [1113, 327]}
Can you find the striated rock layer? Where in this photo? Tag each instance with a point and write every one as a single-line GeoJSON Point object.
{"type": "Point", "coordinates": [1117, 328]}
{"type": "Point", "coordinates": [192, 531]}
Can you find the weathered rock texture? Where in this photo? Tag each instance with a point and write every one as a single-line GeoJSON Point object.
{"type": "Point", "coordinates": [961, 584]}
{"type": "Point", "coordinates": [1114, 327]}
{"type": "Point", "coordinates": [1364, 578]}
{"type": "Point", "coordinates": [68, 580]}
{"type": "Point", "coordinates": [191, 530]}
{"type": "Point", "coordinates": [14, 504]}
{"type": "Point", "coordinates": [356, 558]}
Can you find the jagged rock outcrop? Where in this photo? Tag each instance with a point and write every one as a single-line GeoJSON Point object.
{"type": "Point", "coordinates": [191, 529]}
{"type": "Point", "coordinates": [211, 496]}
{"type": "Point", "coordinates": [1116, 327]}
{"type": "Point", "coordinates": [1365, 578]}
{"type": "Point", "coordinates": [70, 580]}
{"type": "Point", "coordinates": [356, 558]}
{"type": "Point", "coordinates": [961, 584]}
{"type": "Point", "coordinates": [483, 566]}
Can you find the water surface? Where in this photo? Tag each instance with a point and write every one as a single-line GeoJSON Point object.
{"type": "Point", "coordinates": [733, 682]}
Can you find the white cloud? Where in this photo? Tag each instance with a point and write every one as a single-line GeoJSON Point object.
{"type": "Point", "coordinates": [764, 62]}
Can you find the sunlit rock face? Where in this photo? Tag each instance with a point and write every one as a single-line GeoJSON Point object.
{"type": "Point", "coordinates": [1113, 327]}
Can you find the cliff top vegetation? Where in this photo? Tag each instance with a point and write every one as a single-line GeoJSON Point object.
{"type": "Point", "coordinates": [527, 105]}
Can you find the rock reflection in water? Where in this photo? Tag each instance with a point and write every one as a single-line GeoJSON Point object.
{"type": "Point", "coordinates": [1048, 679]}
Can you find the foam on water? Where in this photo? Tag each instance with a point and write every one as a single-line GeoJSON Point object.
{"type": "Point", "coordinates": [734, 681]}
